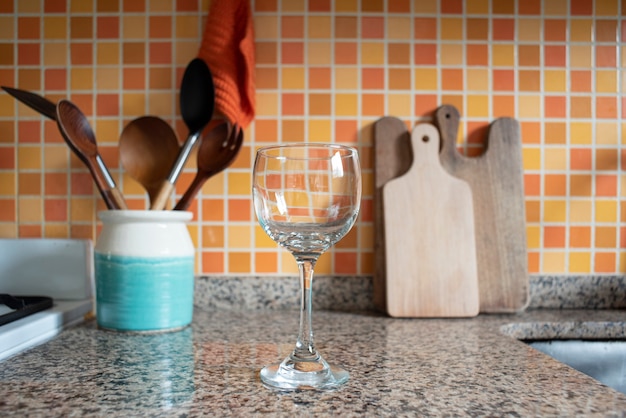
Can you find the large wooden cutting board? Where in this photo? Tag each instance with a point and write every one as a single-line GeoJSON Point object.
{"type": "Point", "coordinates": [392, 158]}
{"type": "Point", "coordinates": [429, 237]}
{"type": "Point", "coordinates": [496, 181]}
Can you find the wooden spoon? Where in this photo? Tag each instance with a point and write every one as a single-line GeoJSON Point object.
{"type": "Point", "coordinates": [217, 151]}
{"type": "Point", "coordinates": [197, 101]}
{"type": "Point", "coordinates": [77, 132]}
{"type": "Point", "coordinates": [148, 150]}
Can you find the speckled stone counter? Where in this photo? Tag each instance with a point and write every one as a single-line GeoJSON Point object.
{"type": "Point", "coordinates": [399, 367]}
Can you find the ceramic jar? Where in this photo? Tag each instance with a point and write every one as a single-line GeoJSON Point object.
{"type": "Point", "coordinates": [144, 265]}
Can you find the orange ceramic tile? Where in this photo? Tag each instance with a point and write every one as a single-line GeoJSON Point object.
{"type": "Point", "coordinates": [292, 104]}
{"type": "Point", "coordinates": [554, 30]}
{"type": "Point", "coordinates": [293, 6]}
{"type": "Point", "coordinates": [110, 6]}
{"type": "Point", "coordinates": [213, 236]}
{"type": "Point", "coordinates": [478, 54]}
{"type": "Point", "coordinates": [554, 237]}
{"type": "Point", "coordinates": [319, 53]}
{"type": "Point", "coordinates": [265, 262]}
{"type": "Point", "coordinates": [372, 79]}
{"type": "Point", "coordinates": [82, 209]}
{"type": "Point", "coordinates": [81, 184]}
{"type": "Point", "coordinates": [580, 56]}
{"type": "Point", "coordinates": [606, 81]}
{"type": "Point", "coordinates": [580, 237]}
{"type": "Point", "coordinates": [213, 262]}
{"type": "Point", "coordinates": [607, 159]}
{"type": "Point", "coordinates": [400, 79]}
{"type": "Point", "coordinates": [107, 105]}
{"type": "Point", "coordinates": [292, 78]}
{"type": "Point", "coordinates": [8, 212]}
{"type": "Point", "coordinates": [292, 27]}
{"type": "Point", "coordinates": [451, 6]}
{"type": "Point", "coordinates": [581, 7]}
{"type": "Point", "coordinates": [554, 211]}
{"type": "Point", "coordinates": [8, 184]}
{"type": "Point", "coordinates": [477, 79]}
{"type": "Point", "coordinates": [29, 209]}
{"type": "Point", "coordinates": [533, 262]}
{"type": "Point", "coordinates": [529, 30]}
{"type": "Point", "coordinates": [399, 104]}
{"type": "Point", "coordinates": [451, 29]}
{"type": "Point", "coordinates": [372, 5]}
{"type": "Point", "coordinates": [555, 185]}
{"type": "Point", "coordinates": [319, 27]}
{"type": "Point", "coordinates": [533, 236]}
{"type": "Point", "coordinates": [6, 54]}
{"type": "Point", "coordinates": [319, 104]}
{"type": "Point", "coordinates": [345, 53]}
{"type": "Point", "coordinates": [320, 6]}
{"type": "Point", "coordinates": [346, 27]}
{"type": "Point", "coordinates": [555, 81]}
{"type": "Point", "coordinates": [267, 78]}
{"type": "Point", "coordinates": [476, 29]}
{"type": "Point", "coordinates": [107, 27]}
{"type": "Point", "coordinates": [28, 28]}
{"type": "Point", "coordinates": [580, 185]}
{"type": "Point", "coordinates": [425, 54]}
{"type": "Point", "coordinates": [160, 27]}
{"type": "Point", "coordinates": [399, 53]}
{"type": "Point", "coordinates": [134, 6]}
{"type": "Point", "coordinates": [292, 131]}
{"type": "Point", "coordinates": [132, 53]}
{"type": "Point", "coordinates": [55, 79]}
{"type": "Point", "coordinates": [266, 130]}
{"type": "Point", "coordinates": [555, 106]}
{"type": "Point", "coordinates": [372, 27]}
{"type": "Point", "coordinates": [372, 53]}
{"type": "Point", "coordinates": [604, 263]}
{"type": "Point", "coordinates": [606, 185]}
{"type": "Point", "coordinates": [580, 80]}
{"type": "Point", "coordinates": [372, 104]}
{"type": "Point", "coordinates": [28, 54]}
{"type": "Point", "coordinates": [606, 107]}
{"type": "Point", "coordinates": [81, 27]}
{"type": "Point", "coordinates": [187, 27]}
{"type": "Point", "coordinates": [346, 131]}
{"type": "Point", "coordinates": [503, 80]}
{"type": "Point", "coordinates": [503, 29]}
{"type": "Point", "coordinates": [480, 7]}
{"type": "Point", "coordinates": [554, 56]}
{"type": "Point", "coordinates": [533, 211]}
{"type": "Point", "coordinates": [349, 241]}
{"type": "Point", "coordinates": [504, 106]}
{"type": "Point", "coordinates": [160, 52]}
{"type": "Point", "coordinates": [30, 231]}
{"type": "Point", "coordinates": [212, 209]}
{"type": "Point", "coordinates": [29, 157]}
{"type": "Point", "coordinates": [425, 78]}
{"type": "Point", "coordinates": [6, 7]}
{"type": "Point", "coordinates": [580, 159]}
{"type": "Point", "coordinates": [239, 209]}
{"type": "Point", "coordinates": [28, 131]}
{"type": "Point", "coordinates": [606, 56]}
{"type": "Point", "coordinates": [345, 262]}
{"type": "Point", "coordinates": [605, 30]}
{"type": "Point", "coordinates": [531, 132]}
{"type": "Point", "coordinates": [452, 79]}
{"type": "Point", "coordinates": [346, 78]}
{"type": "Point", "coordinates": [532, 185]}
{"type": "Point", "coordinates": [451, 54]}
{"type": "Point", "coordinates": [29, 184]}
{"type": "Point", "coordinates": [267, 104]}
{"type": "Point", "coordinates": [476, 131]}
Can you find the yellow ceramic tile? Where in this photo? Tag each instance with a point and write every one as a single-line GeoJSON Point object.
{"type": "Point", "coordinates": [555, 7]}
{"type": "Point", "coordinates": [108, 53]}
{"type": "Point", "coordinates": [266, 27]}
{"type": "Point", "coordinates": [28, 7]}
{"type": "Point", "coordinates": [372, 53]}
{"type": "Point", "coordinates": [531, 158]}
{"type": "Point", "coordinates": [581, 133]}
{"type": "Point", "coordinates": [477, 79]}
{"type": "Point", "coordinates": [425, 78]}
{"type": "Point", "coordinates": [529, 29]}
{"type": "Point", "coordinates": [477, 7]}
{"type": "Point", "coordinates": [82, 209]}
{"type": "Point", "coordinates": [607, 133]}
{"type": "Point", "coordinates": [107, 131]}
{"type": "Point", "coordinates": [580, 56]}
{"type": "Point", "coordinates": [56, 157]}
{"type": "Point", "coordinates": [7, 184]}
{"type": "Point", "coordinates": [319, 53]}
{"type": "Point", "coordinates": [133, 104]}
{"type": "Point", "coordinates": [503, 55]}
{"type": "Point", "coordinates": [581, 30]}
{"type": "Point", "coordinates": [292, 78]}
{"type": "Point", "coordinates": [346, 5]}
{"type": "Point", "coordinates": [553, 262]}
{"type": "Point", "coordinates": [194, 233]}
{"type": "Point", "coordinates": [451, 29]}
{"type": "Point", "coordinates": [580, 211]}
{"type": "Point", "coordinates": [293, 6]}
{"type": "Point", "coordinates": [161, 103]}
{"type": "Point", "coordinates": [239, 236]}
{"type": "Point", "coordinates": [451, 54]}
{"type": "Point", "coordinates": [261, 239]}
{"type": "Point", "coordinates": [29, 209]}
{"type": "Point", "coordinates": [29, 157]}
{"type": "Point", "coordinates": [533, 236]}
{"type": "Point", "coordinates": [56, 230]}
{"type": "Point", "coordinates": [239, 183]}
{"type": "Point", "coordinates": [579, 262]}
{"type": "Point", "coordinates": [606, 211]}
{"type": "Point", "coordinates": [622, 260]}
{"type": "Point", "coordinates": [324, 264]}
{"type": "Point", "coordinates": [7, 106]}
{"type": "Point", "coordinates": [134, 27]}
{"type": "Point", "coordinates": [266, 104]}
{"type": "Point", "coordinates": [187, 27]}
{"type": "Point", "coordinates": [554, 211]}
{"type": "Point", "coordinates": [107, 78]}
{"type": "Point", "coordinates": [555, 158]}
{"type": "Point", "coordinates": [346, 104]}
{"type": "Point", "coordinates": [555, 80]}
{"type": "Point", "coordinates": [606, 8]}
{"type": "Point", "coordinates": [346, 78]}
{"type": "Point", "coordinates": [319, 27]}
{"type": "Point", "coordinates": [288, 265]}
{"type": "Point", "coordinates": [215, 185]}
{"type": "Point", "coordinates": [622, 192]}
{"type": "Point", "coordinates": [421, 6]}
{"type": "Point", "coordinates": [529, 106]}
{"type": "Point", "coordinates": [54, 27]}
{"type": "Point", "coordinates": [185, 52]}
{"type": "Point", "coordinates": [398, 28]}
{"type": "Point", "coordinates": [319, 130]}
{"type": "Point", "coordinates": [623, 55]}
{"type": "Point", "coordinates": [477, 106]}
{"type": "Point", "coordinates": [8, 230]}
{"type": "Point", "coordinates": [366, 237]}
{"type": "Point", "coordinates": [55, 54]}
{"type": "Point", "coordinates": [606, 81]}
{"type": "Point", "coordinates": [81, 6]}
{"type": "Point", "coordinates": [131, 187]}
{"type": "Point", "coordinates": [161, 5]}
{"type": "Point", "coordinates": [7, 27]}
{"type": "Point", "coordinates": [399, 104]}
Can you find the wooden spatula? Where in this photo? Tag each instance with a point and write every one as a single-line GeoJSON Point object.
{"type": "Point", "coordinates": [429, 237]}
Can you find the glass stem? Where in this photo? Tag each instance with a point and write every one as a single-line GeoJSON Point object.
{"type": "Point", "coordinates": [305, 348]}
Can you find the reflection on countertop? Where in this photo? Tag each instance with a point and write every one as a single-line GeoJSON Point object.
{"type": "Point", "coordinates": [418, 367]}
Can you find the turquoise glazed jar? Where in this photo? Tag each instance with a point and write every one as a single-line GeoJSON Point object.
{"type": "Point", "coordinates": [144, 265]}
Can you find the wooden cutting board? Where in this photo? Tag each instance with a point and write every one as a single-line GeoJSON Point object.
{"type": "Point", "coordinates": [496, 181]}
{"type": "Point", "coordinates": [392, 158]}
{"type": "Point", "coordinates": [429, 236]}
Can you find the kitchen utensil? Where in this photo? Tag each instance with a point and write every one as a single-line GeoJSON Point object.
{"type": "Point", "coordinates": [148, 150]}
{"type": "Point", "coordinates": [429, 237]}
{"type": "Point", "coordinates": [496, 180]}
{"type": "Point", "coordinates": [197, 100]}
{"type": "Point", "coordinates": [217, 151]}
{"type": "Point", "coordinates": [77, 132]}
{"type": "Point", "coordinates": [34, 101]}
{"type": "Point", "coordinates": [393, 156]}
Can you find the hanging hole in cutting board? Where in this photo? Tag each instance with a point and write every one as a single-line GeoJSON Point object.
{"type": "Point", "coordinates": [425, 138]}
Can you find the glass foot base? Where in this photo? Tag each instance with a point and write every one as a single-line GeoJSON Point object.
{"type": "Point", "coordinates": [292, 374]}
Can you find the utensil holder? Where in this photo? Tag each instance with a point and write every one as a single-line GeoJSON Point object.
{"type": "Point", "coordinates": [144, 265]}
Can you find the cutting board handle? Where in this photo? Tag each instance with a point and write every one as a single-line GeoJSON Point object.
{"type": "Point", "coordinates": [448, 119]}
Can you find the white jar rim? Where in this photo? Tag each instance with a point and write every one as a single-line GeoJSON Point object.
{"type": "Point", "coordinates": [144, 215]}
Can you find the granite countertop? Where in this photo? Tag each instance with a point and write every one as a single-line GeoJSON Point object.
{"type": "Point", "coordinates": [415, 367]}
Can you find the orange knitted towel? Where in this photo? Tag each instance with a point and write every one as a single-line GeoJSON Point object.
{"type": "Point", "coordinates": [228, 49]}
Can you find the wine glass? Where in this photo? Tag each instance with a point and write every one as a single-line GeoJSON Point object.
{"type": "Point", "coordinates": [306, 198]}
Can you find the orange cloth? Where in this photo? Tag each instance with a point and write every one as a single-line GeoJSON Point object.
{"type": "Point", "coordinates": [228, 49]}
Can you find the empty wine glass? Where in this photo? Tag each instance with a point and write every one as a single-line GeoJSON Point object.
{"type": "Point", "coordinates": [306, 198]}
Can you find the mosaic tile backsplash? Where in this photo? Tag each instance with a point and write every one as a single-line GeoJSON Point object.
{"type": "Point", "coordinates": [326, 71]}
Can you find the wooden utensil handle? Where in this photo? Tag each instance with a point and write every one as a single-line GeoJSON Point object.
{"type": "Point", "coordinates": [190, 193]}
{"type": "Point", "coordinates": [448, 119]}
{"type": "Point", "coordinates": [117, 198]}
{"type": "Point", "coordinates": [161, 199]}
